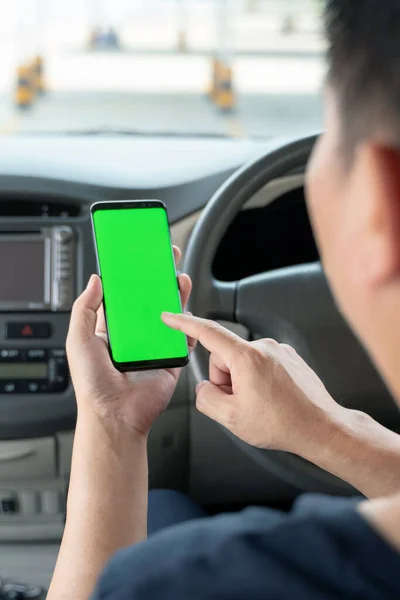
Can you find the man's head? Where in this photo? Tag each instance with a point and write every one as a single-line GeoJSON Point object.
{"type": "Point", "coordinates": [354, 176]}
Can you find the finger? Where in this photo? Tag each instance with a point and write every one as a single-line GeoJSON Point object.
{"type": "Point", "coordinates": [101, 321]}
{"type": "Point", "coordinates": [192, 343]}
{"type": "Point", "coordinates": [214, 402]}
{"type": "Point", "coordinates": [219, 372]}
{"type": "Point", "coordinates": [185, 288]}
{"type": "Point", "coordinates": [84, 312]}
{"type": "Point", "coordinates": [212, 336]}
{"type": "Point", "coordinates": [177, 255]}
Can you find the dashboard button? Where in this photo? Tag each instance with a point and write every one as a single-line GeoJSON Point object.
{"type": "Point", "coordinates": [36, 354]}
{"type": "Point", "coordinates": [63, 274]}
{"type": "Point", "coordinates": [11, 387]}
{"type": "Point", "coordinates": [58, 352]}
{"type": "Point", "coordinates": [11, 354]}
{"type": "Point", "coordinates": [51, 502]}
{"type": "Point", "coordinates": [44, 387]}
{"type": "Point", "coordinates": [63, 234]}
{"type": "Point", "coordinates": [27, 330]}
{"type": "Point", "coordinates": [9, 506]}
{"type": "Point", "coordinates": [29, 502]}
{"type": "Point", "coordinates": [33, 387]}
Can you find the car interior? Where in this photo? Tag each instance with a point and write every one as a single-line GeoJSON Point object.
{"type": "Point", "coordinates": [237, 210]}
{"type": "Point", "coordinates": [265, 256]}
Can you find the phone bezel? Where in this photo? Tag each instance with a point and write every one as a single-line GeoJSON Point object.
{"type": "Point", "coordinates": [144, 365]}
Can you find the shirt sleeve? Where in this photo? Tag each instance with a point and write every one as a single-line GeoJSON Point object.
{"type": "Point", "coordinates": [255, 555]}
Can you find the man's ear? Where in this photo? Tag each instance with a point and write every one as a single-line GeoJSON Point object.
{"type": "Point", "coordinates": [376, 212]}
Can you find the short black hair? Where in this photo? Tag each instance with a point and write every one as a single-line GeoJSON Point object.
{"type": "Point", "coordinates": [364, 65]}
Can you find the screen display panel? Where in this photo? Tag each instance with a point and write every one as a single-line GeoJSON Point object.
{"type": "Point", "coordinates": [22, 270]}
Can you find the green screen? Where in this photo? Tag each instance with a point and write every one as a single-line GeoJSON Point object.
{"type": "Point", "coordinates": [139, 283]}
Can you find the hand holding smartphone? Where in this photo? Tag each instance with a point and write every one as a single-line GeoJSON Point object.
{"type": "Point", "coordinates": [136, 264]}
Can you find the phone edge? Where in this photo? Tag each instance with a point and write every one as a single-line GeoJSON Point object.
{"type": "Point", "coordinates": [179, 362]}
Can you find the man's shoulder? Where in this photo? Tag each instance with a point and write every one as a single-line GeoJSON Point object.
{"type": "Point", "coordinates": [315, 552]}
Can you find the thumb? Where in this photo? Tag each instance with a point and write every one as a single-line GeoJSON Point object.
{"type": "Point", "coordinates": [84, 312]}
{"type": "Point", "coordinates": [213, 402]}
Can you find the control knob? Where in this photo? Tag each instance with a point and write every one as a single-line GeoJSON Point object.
{"type": "Point", "coordinates": [63, 234]}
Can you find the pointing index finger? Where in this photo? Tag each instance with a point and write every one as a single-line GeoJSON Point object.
{"type": "Point", "coordinates": [212, 336]}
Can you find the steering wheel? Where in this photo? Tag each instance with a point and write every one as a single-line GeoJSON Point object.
{"type": "Point", "coordinates": [292, 305]}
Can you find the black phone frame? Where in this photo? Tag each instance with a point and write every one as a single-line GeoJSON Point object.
{"type": "Point", "coordinates": [145, 365]}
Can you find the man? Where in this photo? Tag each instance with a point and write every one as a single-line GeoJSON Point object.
{"type": "Point", "coordinates": [263, 392]}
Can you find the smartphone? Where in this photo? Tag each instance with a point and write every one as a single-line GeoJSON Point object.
{"type": "Point", "coordinates": [136, 264]}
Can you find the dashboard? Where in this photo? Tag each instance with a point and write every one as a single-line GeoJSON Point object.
{"type": "Point", "coordinates": [47, 185]}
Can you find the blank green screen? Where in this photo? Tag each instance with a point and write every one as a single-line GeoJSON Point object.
{"type": "Point", "coordinates": [139, 283]}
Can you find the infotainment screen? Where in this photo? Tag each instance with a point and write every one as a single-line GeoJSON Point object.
{"type": "Point", "coordinates": [22, 270]}
{"type": "Point", "coordinates": [23, 370]}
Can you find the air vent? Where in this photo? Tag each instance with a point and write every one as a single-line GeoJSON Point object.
{"type": "Point", "coordinates": [21, 207]}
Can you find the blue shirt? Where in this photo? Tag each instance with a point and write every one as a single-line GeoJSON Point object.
{"type": "Point", "coordinates": [323, 550]}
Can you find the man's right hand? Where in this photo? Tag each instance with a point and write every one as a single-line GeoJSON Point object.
{"type": "Point", "coordinates": [261, 391]}
{"type": "Point", "coordinates": [265, 394]}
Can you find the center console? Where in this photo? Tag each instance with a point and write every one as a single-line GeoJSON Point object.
{"type": "Point", "coordinates": [37, 274]}
{"type": "Point", "coordinates": [32, 370]}
{"type": "Point", "coordinates": [43, 263]}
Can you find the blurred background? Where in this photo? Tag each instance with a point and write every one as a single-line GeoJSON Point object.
{"type": "Point", "coordinates": [237, 68]}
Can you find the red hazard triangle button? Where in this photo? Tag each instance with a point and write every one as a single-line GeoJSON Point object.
{"type": "Point", "coordinates": [32, 330]}
{"type": "Point", "coordinates": [27, 331]}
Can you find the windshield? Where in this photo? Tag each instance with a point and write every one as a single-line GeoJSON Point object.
{"type": "Point", "coordinates": [235, 68]}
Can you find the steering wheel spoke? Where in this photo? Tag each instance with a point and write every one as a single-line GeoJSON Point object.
{"type": "Point", "coordinates": [222, 300]}
{"type": "Point", "coordinates": [288, 305]}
